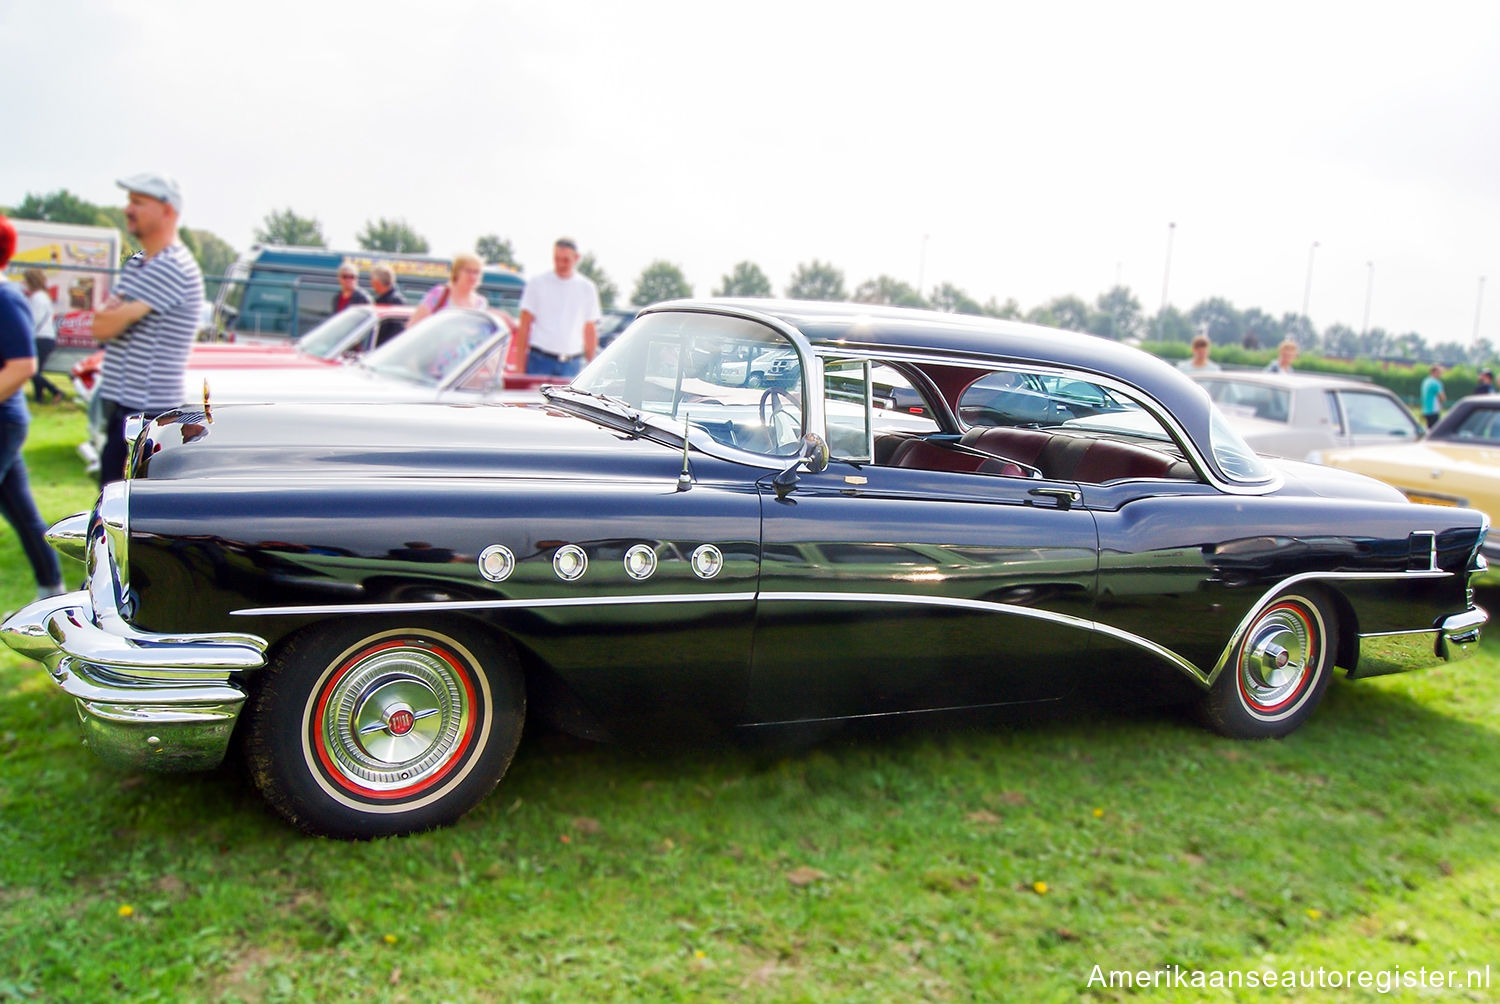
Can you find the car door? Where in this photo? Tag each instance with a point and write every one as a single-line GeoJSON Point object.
{"type": "Point", "coordinates": [1372, 417]}
{"type": "Point", "coordinates": [886, 589]}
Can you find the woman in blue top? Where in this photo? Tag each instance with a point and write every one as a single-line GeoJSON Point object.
{"type": "Point", "coordinates": [17, 366]}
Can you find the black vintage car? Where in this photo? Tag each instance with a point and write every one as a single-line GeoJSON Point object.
{"type": "Point", "coordinates": [379, 596]}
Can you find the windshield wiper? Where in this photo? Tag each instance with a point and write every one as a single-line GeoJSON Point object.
{"type": "Point", "coordinates": [616, 405]}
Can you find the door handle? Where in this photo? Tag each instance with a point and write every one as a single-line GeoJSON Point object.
{"type": "Point", "coordinates": [1065, 498]}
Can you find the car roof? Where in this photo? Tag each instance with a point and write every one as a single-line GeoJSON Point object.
{"type": "Point", "coordinates": [1291, 381]}
{"type": "Point", "coordinates": [1448, 425]}
{"type": "Point", "coordinates": [830, 326]}
{"type": "Point", "coordinates": [896, 331]}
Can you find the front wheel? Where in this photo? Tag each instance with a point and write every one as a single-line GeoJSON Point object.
{"type": "Point", "coordinates": [1278, 673]}
{"type": "Point", "coordinates": [361, 731]}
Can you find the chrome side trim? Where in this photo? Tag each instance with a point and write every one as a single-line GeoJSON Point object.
{"type": "Point", "coordinates": [951, 602]}
{"type": "Point", "coordinates": [896, 714]}
{"type": "Point", "coordinates": [988, 606]}
{"type": "Point", "coordinates": [1425, 548]}
{"type": "Point", "coordinates": [429, 606]}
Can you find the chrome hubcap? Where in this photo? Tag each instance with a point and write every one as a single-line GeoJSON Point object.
{"type": "Point", "coordinates": [395, 717]}
{"type": "Point", "coordinates": [1275, 657]}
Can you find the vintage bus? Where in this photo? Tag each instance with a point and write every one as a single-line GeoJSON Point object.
{"type": "Point", "coordinates": [275, 292]}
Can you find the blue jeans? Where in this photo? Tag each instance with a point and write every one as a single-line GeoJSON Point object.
{"type": "Point", "coordinates": [541, 364]}
{"type": "Point", "coordinates": [20, 508]}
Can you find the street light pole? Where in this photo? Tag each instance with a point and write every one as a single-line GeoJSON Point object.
{"type": "Point", "coordinates": [1167, 270]}
{"type": "Point", "coordinates": [1369, 289]}
{"type": "Point", "coordinates": [922, 265]}
{"type": "Point", "coordinates": [1478, 306]}
{"type": "Point", "coordinates": [1307, 288]}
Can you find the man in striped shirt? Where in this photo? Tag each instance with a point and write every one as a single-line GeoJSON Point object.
{"type": "Point", "coordinates": [149, 323]}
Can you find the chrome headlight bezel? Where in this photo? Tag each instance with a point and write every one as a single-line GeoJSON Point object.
{"type": "Point", "coordinates": [108, 554]}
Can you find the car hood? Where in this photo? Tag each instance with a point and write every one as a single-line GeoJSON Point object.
{"type": "Point", "coordinates": [1422, 460]}
{"type": "Point", "coordinates": [1309, 479]}
{"type": "Point", "coordinates": [327, 441]}
{"type": "Point", "coordinates": [237, 355]}
{"type": "Point", "coordinates": [327, 382]}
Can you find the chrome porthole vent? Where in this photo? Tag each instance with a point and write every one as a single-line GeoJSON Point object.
{"type": "Point", "coordinates": [707, 561]}
{"type": "Point", "coordinates": [496, 562]}
{"type": "Point", "coordinates": [570, 562]}
{"type": "Point", "coordinates": [640, 561]}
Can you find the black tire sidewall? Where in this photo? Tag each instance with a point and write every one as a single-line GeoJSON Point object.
{"type": "Point", "coordinates": [285, 767]}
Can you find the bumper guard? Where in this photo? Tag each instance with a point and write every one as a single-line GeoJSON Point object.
{"type": "Point", "coordinates": [1455, 638]}
{"type": "Point", "coordinates": [146, 701]}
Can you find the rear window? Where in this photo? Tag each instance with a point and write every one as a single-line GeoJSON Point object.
{"type": "Point", "coordinates": [1250, 400]}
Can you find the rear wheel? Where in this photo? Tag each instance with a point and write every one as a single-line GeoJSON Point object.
{"type": "Point", "coordinates": [1278, 672]}
{"type": "Point", "coordinates": [363, 731]}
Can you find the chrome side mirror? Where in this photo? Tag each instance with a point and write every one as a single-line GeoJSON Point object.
{"type": "Point", "coordinates": [813, 458]}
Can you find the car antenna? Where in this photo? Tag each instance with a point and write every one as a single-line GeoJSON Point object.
{"type": "Point", "coordinates": [685, 479]}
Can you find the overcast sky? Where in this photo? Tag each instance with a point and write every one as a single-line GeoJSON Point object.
{"type": "Point", "coordinates": [1015, 150]}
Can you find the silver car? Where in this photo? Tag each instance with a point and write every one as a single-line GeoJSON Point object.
{"type": "Point", "coordinates": [1292, 414]}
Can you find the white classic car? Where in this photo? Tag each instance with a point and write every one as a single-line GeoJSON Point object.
{"type": "Point", "coordinates": [1292, 414]}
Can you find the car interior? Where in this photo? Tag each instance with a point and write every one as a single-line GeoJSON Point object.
{"type": "Point", "coordinates": [1018, 424]}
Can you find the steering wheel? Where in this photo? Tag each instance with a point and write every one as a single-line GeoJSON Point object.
{"type": "Point", "coordinates": [779, 423]}
{"type": "Point", "coordinates": [772, 397]}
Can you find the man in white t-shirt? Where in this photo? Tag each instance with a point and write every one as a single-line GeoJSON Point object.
{"type": "Point", "coordinates": [560, 314]}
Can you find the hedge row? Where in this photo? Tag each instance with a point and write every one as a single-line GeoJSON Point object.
{"type": "Point", "coordinates": [1405, 379]}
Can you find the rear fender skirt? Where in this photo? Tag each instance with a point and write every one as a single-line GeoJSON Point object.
{"type": "Point", "coordinates": [1330, 578]}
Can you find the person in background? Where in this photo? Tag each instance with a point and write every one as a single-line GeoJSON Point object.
{"type": "Point", "coordinates": [383, 283]}
{"type": "Point", "coordinates": [349, 292]}
{"type": "Point", "coordinates": [560, 313]}
{"type": "Point", "coordinates": [44, 333]}
{"type": "Point", "coordinates": [461, 289]}
{"type": "Point", "coordinates": [1432, 395]}
{"type": "Point", "coordinates": [1199, 361]}
{"type": "Point", "coordinates": [1486, 382]}
{"type": "Point", "coordinates": [148, 324]}
{"type": "Point", "coordinates": [1286, 354]}
{"type": "Point", "coordinates": [17, 365]}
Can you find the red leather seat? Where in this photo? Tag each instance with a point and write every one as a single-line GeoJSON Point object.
{"type": "Point", "coordinates": [923, 455]}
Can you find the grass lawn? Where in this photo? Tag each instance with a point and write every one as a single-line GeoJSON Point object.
{"type": "Point", "coordinates": [980, 863]}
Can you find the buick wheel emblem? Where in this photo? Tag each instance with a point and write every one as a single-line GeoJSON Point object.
{"type": "Point", "coordinates": [401, 723]}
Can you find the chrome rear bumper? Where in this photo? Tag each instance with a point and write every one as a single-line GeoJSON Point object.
{"type": "Point", "coordinates": [1455, 638]}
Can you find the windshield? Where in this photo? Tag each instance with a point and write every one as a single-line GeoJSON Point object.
{"type": "Point", "coordinates": [434, 349]}
{"type": "Point", "coordinates": [327, 340]}
{"type": "Point", "coordinates": [738, 380]}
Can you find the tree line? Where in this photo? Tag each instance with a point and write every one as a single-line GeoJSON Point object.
{"type": "Point", "coordinates": [1116, 313]}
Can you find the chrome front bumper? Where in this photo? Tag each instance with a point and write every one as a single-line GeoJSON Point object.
{"type": "Point", "coordinates": [1455, 638]}
{"type": "Point", "coordinates": [153, 701]}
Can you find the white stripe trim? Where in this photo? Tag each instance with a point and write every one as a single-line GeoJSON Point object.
{"type": "Point", "coordinates": [428, 606]}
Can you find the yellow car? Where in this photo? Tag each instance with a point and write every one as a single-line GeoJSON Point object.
{"type": "Point", "coordinates": [1456, 464]}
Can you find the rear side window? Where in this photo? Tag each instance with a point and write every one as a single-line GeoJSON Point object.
{"type": "Point", "coordinates": [1377, 415]}
{"type": "Point", "coordinates": [1480, 424]}
{"type": "Point", "coordinates": [1250, 400]}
